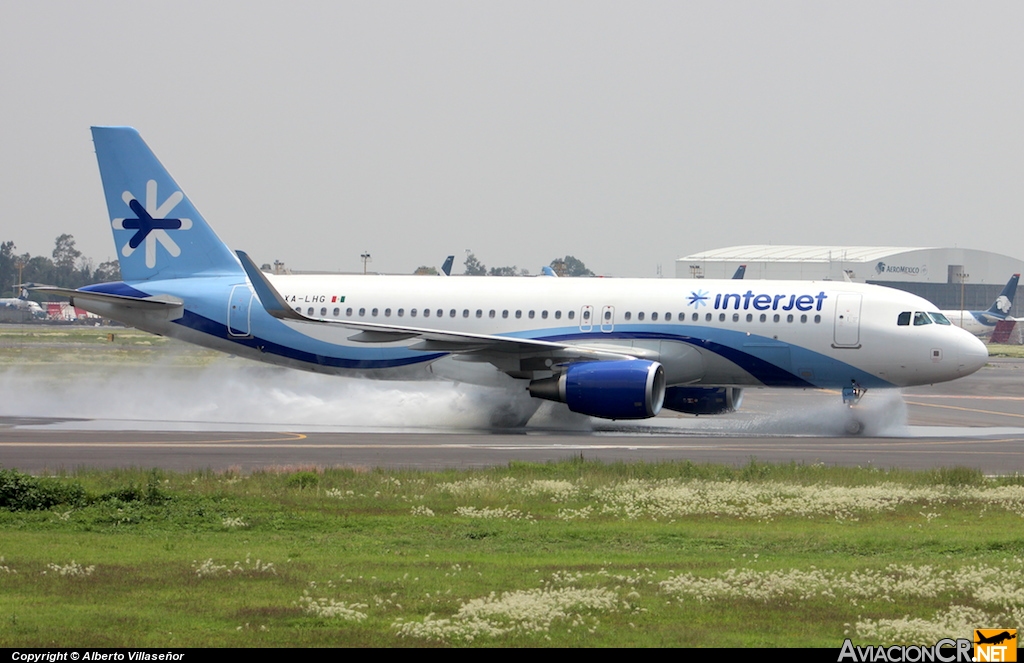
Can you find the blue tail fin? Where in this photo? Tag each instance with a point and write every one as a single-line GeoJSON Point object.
{"type": "Point", "coordinates": [1001, 307]}
{"type": "Point", "coordinates": [157, 231]}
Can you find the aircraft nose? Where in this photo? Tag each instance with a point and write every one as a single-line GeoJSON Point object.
{"type": "Point", "coordinates": [973, 354]}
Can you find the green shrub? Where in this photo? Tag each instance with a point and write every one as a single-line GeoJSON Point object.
{"type": "Point", "coordinates": [23, 492]}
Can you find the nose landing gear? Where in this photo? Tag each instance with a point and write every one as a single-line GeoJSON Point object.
{"type": "Point", "coordinates": [852, 396]}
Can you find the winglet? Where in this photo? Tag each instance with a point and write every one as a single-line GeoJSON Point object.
{"type": "Point", "coordinates": [271, 299]}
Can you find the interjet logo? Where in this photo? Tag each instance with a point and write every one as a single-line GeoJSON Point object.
{"type": "Point", "coordinates": [151, 224]}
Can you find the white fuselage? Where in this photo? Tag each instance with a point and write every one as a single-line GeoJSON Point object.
{"type": "Point", "coordinates": [742, 333]}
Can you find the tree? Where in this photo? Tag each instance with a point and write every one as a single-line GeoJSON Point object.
{"type": "Point", "coordinates": [474, 267]}
{"type": "Point", "coordinates": [423, 270]}
{"type": "Point", "coordinates": [570, 266]}
{"type": "Point", "coordinates": [107, 271]}
{"type": "Point", "coordinates": [8, 268]}
{"type": "Point", "coordinates": [503, 271]}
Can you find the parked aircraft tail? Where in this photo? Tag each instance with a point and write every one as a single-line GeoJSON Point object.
{"type": "Point", "coordinates": [158, 233]}
{"type": "Point", "coordinates": [1001, 307]}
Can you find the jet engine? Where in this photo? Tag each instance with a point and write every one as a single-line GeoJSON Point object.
{"type": "Point", "coordinates": [626, 389]}
{"type": "Point", "coordinates": [703, 400]}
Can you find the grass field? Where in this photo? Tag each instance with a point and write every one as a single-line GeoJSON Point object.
{"type": "Point", "coordinates": [566, 554]}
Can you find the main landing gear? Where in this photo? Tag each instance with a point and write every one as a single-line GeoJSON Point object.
{"type": "Point", "coordinates": [852, 396]}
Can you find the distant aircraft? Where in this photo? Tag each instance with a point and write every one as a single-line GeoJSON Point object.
{"type": "Point", "coordinates": [740, 271]}
{"type": "Point", "coordinates": [446, 268]}
{"type": "Point", "coordinates": [608, 348]}
{"type": "Point", "coordinates": [982, 323]}
{"type": "Point", "coordinates": [20, 309]}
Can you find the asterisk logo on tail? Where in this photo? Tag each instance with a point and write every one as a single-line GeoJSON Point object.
{"type": "Point", "coordinates": [151, 223]}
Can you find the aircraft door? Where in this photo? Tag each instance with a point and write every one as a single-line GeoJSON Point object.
{"type": "Point", "coordinates": [847, 323]}
{"type": "Point", "coordinates": [239, 305]}
{"type": "Point", "coordinates": [608, 319]}
{"type": "Point", "coordinates": [587, 318]}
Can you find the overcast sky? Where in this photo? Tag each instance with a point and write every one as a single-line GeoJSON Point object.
{"type": "Point", "coordinates": [627, 134]}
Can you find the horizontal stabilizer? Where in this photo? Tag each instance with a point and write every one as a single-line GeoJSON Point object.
{"type": "Point", "coordinates": [154, 303]}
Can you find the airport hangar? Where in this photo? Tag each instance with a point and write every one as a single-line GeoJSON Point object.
{"type": "Point", "coordinates": [949, 278]}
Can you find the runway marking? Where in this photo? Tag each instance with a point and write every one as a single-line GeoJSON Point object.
{"type": "Point", "coordinates": [966, 409]}
{"type": "Point", "coordinates": [986, 398]}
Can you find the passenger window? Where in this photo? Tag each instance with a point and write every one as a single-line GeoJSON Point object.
{"type": "Point", "coordinates": [387, 313]}
{"type": "Point", "coordinates": [465, 312]}
{"type": "Point", "coordinates": [451, 314]}
{"type": "Point", "coordinates": [904, 319]}
{"type": "Point", "coordinates": [558, 315]}
{"type": "Point", "coordinates": [721, 317]}
{"type": "Point", "coordinates": [640, 316]}
{"type": "Point", "coordinates": [531, 315]}
{"type": "Point", "coordinates": [764, 317]}
{"type": "Point", "coordinates": [412, 313]}
{"type": "Point", "coordinates": [654, 316]}
{"type": "Point", "coordinates": [504, 313]}
{"type": "Point", "coordinates": [668, 317]}
{"type": "Point", "coordinates": [479, 313]}
{"type": "Point", "coordinates": [362, 312]}
{"type": "Point", "coordinates": [348, 312]}
{"type": "Point", "coordinates": [440, 313]}
{"type": "Point", "coordinates": [707, 317]}
{"type": "Point", "coordinates": [544, 315]}
{"type": "Point", "coordinates": [750, 317]}
{"type": "Point", "coordinates": [735, 317]}
{"type": "Point", "coordinates": [298, 309]}
{"type": "Point", "coordinates": [921, 318]}
{"type": "Point", "coordinates": [426, 312]}
{"type": "Point", "coordinates": [817, 319]}
{"type": "Point", "coordinates": [776, 318]}
{"type": "Point", "coordinates": [628, 315]}
{"type": "Point", "coordinates": [607, 315]}
{"type": "Point", "coordinates": [682, 317]}
{"type": "Point", "coordinates": [309, 311]}
{"type": "Point", "coordinates": [519, 314]}
{"type": "Point", "coordinates": [401, 312]}
{"type": "Point", "coordinates": [572, 315]}
{"type": "Point", "coordinates": [789, 318]}
{"type": "Point", "coordinates": [374, 313]}
{"type": "Point", "coordinates": [490, 314]}
{"type": "Point", "coordinates": [695, 316]}
{"type": "Point", "coordinates": [803, 318]}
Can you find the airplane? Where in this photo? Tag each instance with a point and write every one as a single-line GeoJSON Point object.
{"type": "Point", "coordinates": [982, 323]}
{"type": "Point", "coordinates": [611, 348]}
{"type": "Point", "coordinates": [20, 309]}
{"type": "Point", "coordinates": [446, 268]}
{"type": "Point", "coordinates": [740, 272]}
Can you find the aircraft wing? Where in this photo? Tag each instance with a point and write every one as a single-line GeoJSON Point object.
{"type": "Point", "coordinates": [512, 355]}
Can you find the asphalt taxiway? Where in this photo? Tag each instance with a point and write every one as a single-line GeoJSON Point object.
{"type": "Point", "coordinates": [975, 422]}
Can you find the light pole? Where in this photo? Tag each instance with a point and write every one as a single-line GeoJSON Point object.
{"type": "Point", "coordinates": [365, 255]}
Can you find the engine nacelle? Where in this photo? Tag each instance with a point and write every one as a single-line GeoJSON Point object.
{"type": "Point", "coordinates": [703, 400]}
{"type": "Point", "coordinates": [627, 389]}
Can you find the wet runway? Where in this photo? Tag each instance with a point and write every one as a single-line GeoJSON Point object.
{"type": "Point", "coordinates": [975, 422]}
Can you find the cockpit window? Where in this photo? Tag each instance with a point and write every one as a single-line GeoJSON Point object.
{"type": "Point", "coordinates": [904, 319]}
{"type": "Point", "coordinates": [921, 318]}
{"type": "Point", "coordinates": [938, 318]}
